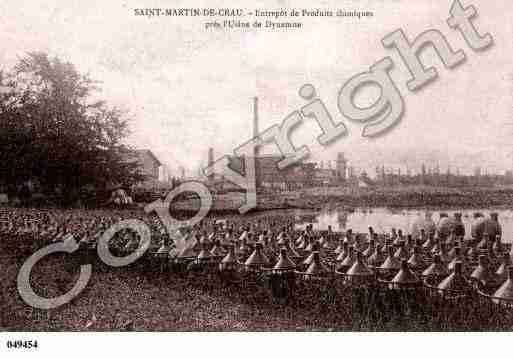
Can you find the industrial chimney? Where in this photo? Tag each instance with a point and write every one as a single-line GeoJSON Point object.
{"type": "Point", "coordinates": [211, 162]}
{"type": "Point", "coordinates": [255, 124]}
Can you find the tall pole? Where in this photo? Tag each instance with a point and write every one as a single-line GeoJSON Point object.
{"type": "Point", "coordinates": [211, 162]}
{"type": "Point", "coordinates": [255, 124]}
{"type": "Point", "coordinates": [256, 149]}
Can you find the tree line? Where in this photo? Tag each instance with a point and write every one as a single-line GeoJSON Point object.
{"type": "Point", "coordinates": [56, 132]}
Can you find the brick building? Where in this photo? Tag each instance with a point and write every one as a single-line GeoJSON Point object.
{"type": "Point", "coordinates": [269, 176]}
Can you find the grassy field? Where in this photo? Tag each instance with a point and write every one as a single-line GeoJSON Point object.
{"type": "Point", "coordinates": [116, 297]}
{"type": "Point", "coordinates": [351, 197]}
{"type": "Point", "coordinates": [140, 297]}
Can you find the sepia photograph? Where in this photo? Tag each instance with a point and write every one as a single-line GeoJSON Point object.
{"type": "Point", "coordinates": [246, 167]}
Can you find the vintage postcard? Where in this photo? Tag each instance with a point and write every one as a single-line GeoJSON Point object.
{"type": "Point", "coordinates": [265, 166]}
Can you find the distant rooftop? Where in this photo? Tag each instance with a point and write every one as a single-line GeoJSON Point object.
{"type": "Point", "coordinates": [139, 152]}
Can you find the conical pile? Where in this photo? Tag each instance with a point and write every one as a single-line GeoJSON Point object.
{"type": "Point", "coordinates": [398, 240]}
{"type": "Point", "coordinates": [429, 243]}
{"type": "Point", "coordinates": [316, 269]}
{"type": "Point", "coordinates": [284, 264]}
{"type": "Point", "coordinates": [339, 247]}
{"type": "Point", "coordinates": [271, 253]}
{"type": "Point", "coordinates": [204, 255]}
{"type": "Point", "coordinates": [229, 262]}
{"type": "Point", "coordinates": [370, 249]}
{"type": "Point", "coordinates": [343, 253]}
{"type": "Point", "coordinates": [391, 263]}
{"type": "Point", "coordinates": [483, 275]}
{"type": "Point", "coordinates": [497, 245]}
{"type": "Point", "coordinates": [243, 236]}
{"type": "Point", "coordinates": [327, 243]}
{"type": "Point", "coordinates": [504, 295]}
{"type": "Point", "coordinates": [377, 258]}
{"type": "Point", "coordinates": [416, 261]}
{"type": "Point", "coordinates": [206, 242]}
{"type": "Point", "coordinates": [217, 251]}
{"type": "Point", "coordinates": [282, 240]}
{"type": "Point", "coordinates": [405, 279]}
{"type": "Point", "coordinates": [436, 247]}
{"type": "Point", "coordinates": [452, 253]}
{"type": "Point", "coordinates": [451, 239]}
{"type": "Point", "coordinates": [473, 254]}
{"type": "Point", "coordinates": [163, 251]}
{"type": "Point", "coordinates": [409, 243]}
{"type": "Point", "coordinates": [226, 240]}
{"type": "Point", "coordinates": [359, 273]}
{"type": "Point", "coordinates": [503, 271]}
{"type": "Point", "coordinates": [301, 242]}
{"type": "Point", "coordinates": [310, 246]}
{"type": "Point", "coordinates": [492, 258]}
{"type": "Point", "coordinates": [444, 257]}
{"type": "Point", "coordinates": [243, 252]}
{"type": "Point", "coordinates": [348, 261]}
{"type": "Point", "coordinates": [321, 241]}
{"type": "Point", "coordinates": [131, 245]}
{"type": "Point", "coordinates": [257, 260]}
{"type": "Point", "coordinates": [483, 244]}
{"type": "Point", "coordinates": [458, 257]}
{"type": "Point", "coordinates": [291, 252]}
{"type": "Point", "coordinates": [455, 284]}
{"type": "Point", "coordinates": [309, 259]}
{"type": "Point", "coordinates": [349, 237]}
{"type": "Point", "coordinates": [393, 235]}
{"type": "Point", "coordinates": [213, 235]}
{"type": "Point", "coordinates": [195, 246]}
{"type": "Point", "coordinates": [436, 270]}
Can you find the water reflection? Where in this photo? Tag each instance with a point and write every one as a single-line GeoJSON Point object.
{"type": "Point", "coordinates": [384, 219]}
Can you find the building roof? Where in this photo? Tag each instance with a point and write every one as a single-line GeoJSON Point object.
{"type": "Point", "coordinates": [151, 154]}
{"type": "Point", "coordinates": [141, 152]}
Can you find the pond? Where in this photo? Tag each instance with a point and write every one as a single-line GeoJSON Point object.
{"type": "Point", "coordinates": [384, 219]}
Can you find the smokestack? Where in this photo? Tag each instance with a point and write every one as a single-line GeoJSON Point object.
{"type": "Point", "coordinates": [211, 162]}
{"type": "Point", "coordinates": [255, 124]}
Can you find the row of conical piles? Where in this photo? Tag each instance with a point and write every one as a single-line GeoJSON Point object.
{"type": "Point", "coordinates": [396, 259]}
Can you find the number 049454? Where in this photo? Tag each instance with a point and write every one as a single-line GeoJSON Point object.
{"type": "Point", "coordinates": [22, 344]}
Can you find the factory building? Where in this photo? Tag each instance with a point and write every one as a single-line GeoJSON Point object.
{"type": "Point", "coordinates": [270, 177]}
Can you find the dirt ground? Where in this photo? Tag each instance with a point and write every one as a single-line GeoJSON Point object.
{"type": "Point", "coordinates": [130, 299]}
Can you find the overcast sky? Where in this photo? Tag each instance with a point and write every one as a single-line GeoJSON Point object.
{"type": "Point", "coordinates": [189, 89]}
